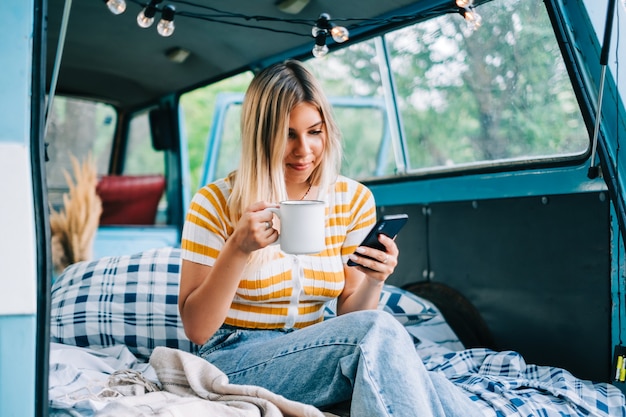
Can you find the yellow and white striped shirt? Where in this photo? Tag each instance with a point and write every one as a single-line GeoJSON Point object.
{"type": "Point", "coordinates": [286, 291]}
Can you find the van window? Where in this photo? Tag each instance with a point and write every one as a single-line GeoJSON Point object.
{"type": "Point", "coordinates": [351, 79]}
{"type": "Point", "coordinates": [212, 119]}
{"type": "Point", "coordinates": [463, 97]}
{"type": "Point", "coordinates": [229, 151]}
{"type": "Point", "coordinates": [141, 158]}
{"type": "Point", "coordinates": [430, 97]}
{"type": "Point", "coordinates": [498, 93]}
{"type": "Point", "coordinates": [76, 128]}
{"type": "Point", "coordinates": [198, 109]}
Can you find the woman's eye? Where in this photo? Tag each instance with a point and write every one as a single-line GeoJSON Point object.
{"type": "Point", "coordinates": [315, 132]}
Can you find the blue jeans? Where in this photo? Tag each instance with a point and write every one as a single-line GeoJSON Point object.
{"type": "Point", "coordinates": [365, 356]}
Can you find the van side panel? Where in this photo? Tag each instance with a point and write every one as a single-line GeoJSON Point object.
{"type": "Point", "coordinates": [536, 268]}
{"type": "Point", "coordinates": [18, 257]}
{"type": "Point", "coordinates": [531, 250]}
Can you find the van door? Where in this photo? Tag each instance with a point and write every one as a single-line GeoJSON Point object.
{"type": "Point", "coordinates": [24, 276]}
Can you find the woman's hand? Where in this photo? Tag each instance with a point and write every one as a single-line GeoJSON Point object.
{"type": "Point", "coordinates": [377, 264]}
{"type": "Point", "coordinates": [206, 292]}
{"type": "Point", "coordinates": [364, 282]}
{"type": "Point", "coordinates": [254, 230]}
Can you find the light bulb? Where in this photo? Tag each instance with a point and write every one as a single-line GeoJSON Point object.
{"type": "Point", "coordinates": [320, 51]}
{"type": "Point", "coordinates": [464, 3]}
{"type": "Point", "coordinates": [165, 27]}
{"type": "Point", "coordinates": [144, 19]}
{"type": "Point", "coordinates": [473, 19]}
{"type": "Point", "coordinates": [116, 6]}
{"type": "Point", "coordinates": [166, 24]}
{"type": "Point", "coordinates": [316, 31]}
{"type": "Point", "coordinates": [340, 34]}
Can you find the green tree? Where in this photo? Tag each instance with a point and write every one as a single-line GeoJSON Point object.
{"type": "Point", "coordinates": [198, 108]}
{"type": "Point", "coordinates": [499, 92]}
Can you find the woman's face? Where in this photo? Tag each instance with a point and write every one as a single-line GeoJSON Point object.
{"type": "Point", "coordinates": [305, 143]}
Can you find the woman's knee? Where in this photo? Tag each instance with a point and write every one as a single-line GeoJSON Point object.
{"type": "Point", "coordinates": [377, 323]}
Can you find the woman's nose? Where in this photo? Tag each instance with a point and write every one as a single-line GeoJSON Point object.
{"type": "Point", "coordinates": [302, 146]}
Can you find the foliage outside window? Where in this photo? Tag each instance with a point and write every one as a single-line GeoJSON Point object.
{"type": "Point", "coordinates": [449, 97]}
{"type": "Point", "coordinates": [198, 107]}
{"type": "Point", "coordinates": [499, 93]}
{"type": "Point", "coordinates": [141, 158]}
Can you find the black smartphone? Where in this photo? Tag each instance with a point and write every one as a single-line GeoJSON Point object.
{"type": "Point", "coordinates": [389, 225]}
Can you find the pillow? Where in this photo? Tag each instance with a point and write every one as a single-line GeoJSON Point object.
{"type": "Point", "coordinates": [405, 306]}
{"type": "Point", "coordinates": [130, 199]}
{"type": "Point", "coordinates": [130, 300]}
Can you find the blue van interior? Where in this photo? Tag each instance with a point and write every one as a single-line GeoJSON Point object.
{"type": "Point", "coordinates": [521, 251]}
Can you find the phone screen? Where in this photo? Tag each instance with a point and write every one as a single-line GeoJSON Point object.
{"type": "Point", "coordinates": [388, 225]}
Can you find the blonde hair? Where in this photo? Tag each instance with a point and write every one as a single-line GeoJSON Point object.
{"type": "Point", "coordinates": [268, 102]}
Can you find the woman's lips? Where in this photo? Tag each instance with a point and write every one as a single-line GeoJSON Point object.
{"type": "Point", "coordinates": [299, 167]}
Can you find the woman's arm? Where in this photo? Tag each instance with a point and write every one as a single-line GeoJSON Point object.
{"type": "Point", "coordinates": [364, 283]}
{"type": "Point", "coordinates": [206, 292]}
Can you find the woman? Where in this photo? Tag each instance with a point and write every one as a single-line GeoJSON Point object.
{"type": "Point", "coordinates": [258, 312]}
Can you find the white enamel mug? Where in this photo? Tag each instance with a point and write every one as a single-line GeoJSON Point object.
{"type": "Point", "coordinates": [302, 226]}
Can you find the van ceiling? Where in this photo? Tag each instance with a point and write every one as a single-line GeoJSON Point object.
{"type": "Point", "coordinates": [110, 58]}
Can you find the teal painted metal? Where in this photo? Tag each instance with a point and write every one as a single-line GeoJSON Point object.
{"type": "Point", "coordinates": [17, 332]}
{"type": "Point", "coordinates": [15, 81]}
{"type": "Point", "coordinates": [17, 366]}
{"type": "Point", "coordinates": [618, 289]}
{"type": "Point", "coordinates": [613, 126]}
{"type": "Point", "coordinates": [115, 241]}
{"type": "Point", "coordinates": [612, 133]}
{"type": "Point", "coordinates": [535, 182]}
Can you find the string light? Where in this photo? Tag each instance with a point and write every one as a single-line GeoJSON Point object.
{"type": "Point", "coordinates": [320, 49]}
{"type": "Point", "coordinates": [116, 6]}
{"type": "Point", "coordinates": [322, 27]}
{"type": "Point", "coordinates": [473, 19]}
{"type": "Point", "coordinates": [464, 3]}
{"type": "Point", "coordinates": [166, 24]}
{"type": "Point", "coordinates": [466, 8]}
{"type": "Point", "coordinates": [145, 18]}
{"type": "Point", "coordinates": [340, 34]}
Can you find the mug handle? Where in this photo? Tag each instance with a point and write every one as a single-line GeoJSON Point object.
{"type": "Point", "coordinates": [276, 211]}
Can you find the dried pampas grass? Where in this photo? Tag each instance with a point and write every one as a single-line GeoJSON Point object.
{"type": "Point", "coordinates": [74, 227]}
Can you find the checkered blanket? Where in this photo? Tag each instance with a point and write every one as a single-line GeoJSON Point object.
{"type": "Point", "coordinates": [131, 302]}
{"type": "Point", "coordinates": [502, 384]}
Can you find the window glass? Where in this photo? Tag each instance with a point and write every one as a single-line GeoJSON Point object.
{"type": "Point", "coordinates": [141, 157]}
{"type": "Point", "coordinates": [198, 114]}
{"type": "Point", "coordinates": [363, 125]}
{"type": "Point", "coordinates": [76, 128]}
{"type": "Point", "coordinates": [430, 96]}
{"type": "Point", "coordinates": [351, 79]}
{"type": "Point", "coordinates": [500, 92]}
{"type": "Point", "coordinates": [229, 150]}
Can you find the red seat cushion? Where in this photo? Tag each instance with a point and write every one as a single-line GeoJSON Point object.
{"type": "Point", "coordinates": [130, 199]}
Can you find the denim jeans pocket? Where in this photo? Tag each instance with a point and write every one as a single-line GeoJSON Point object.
{"type": "Point", "coordinates": [221, 339]}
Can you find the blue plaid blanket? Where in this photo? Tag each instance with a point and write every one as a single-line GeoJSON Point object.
{"type": "Point", "coordinates": [132, 301]}
{"type": "Point", "coordinates": [502, 384]}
